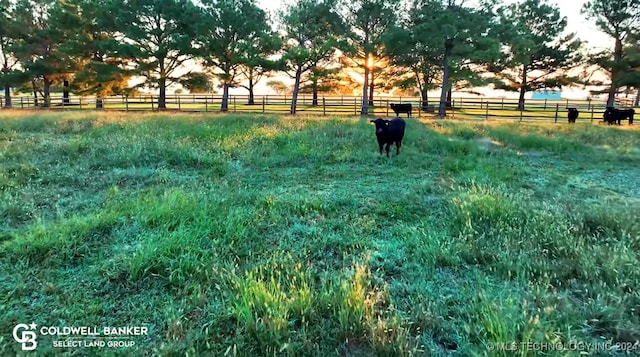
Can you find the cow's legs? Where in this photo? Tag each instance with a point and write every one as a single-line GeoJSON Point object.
{"type": "Point", "coordinates": [387, 148]}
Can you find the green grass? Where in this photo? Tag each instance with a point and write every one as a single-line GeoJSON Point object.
{"type": "Point", "coordinates": [278, 235]}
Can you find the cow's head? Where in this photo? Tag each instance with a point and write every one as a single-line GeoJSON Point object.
{"type": "Point", "coordinates": [381, 124]}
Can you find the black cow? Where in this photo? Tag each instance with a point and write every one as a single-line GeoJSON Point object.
{"type": "Point", "coordinates": [572, 114]}
{"type": "Point", "coordinates": [389, 132]}
{"type": "Point", "coordinates": [615, 116]}
{"type": "Point", "coordinates": [401, 108]}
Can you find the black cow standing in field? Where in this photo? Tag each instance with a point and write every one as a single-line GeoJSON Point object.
{"type": "Point", "coordinates": [572, 114]}
{"type": "Point", "coordinates": [401, 108]}
{"type": "Point", "coordinates": [389, 132]}
{"type": "Point", "coordinates": [615, 116]}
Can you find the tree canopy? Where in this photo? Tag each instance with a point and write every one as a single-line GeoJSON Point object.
{"type": "Point", "coordinates": [620, 19]}
{"type": "Point", "coordinates": [107, 47]}
{"type": "Point", "coordinates": [536, 53]}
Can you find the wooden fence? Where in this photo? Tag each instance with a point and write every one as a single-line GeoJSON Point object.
{"type": "Point", "coordinates": [479, 108]}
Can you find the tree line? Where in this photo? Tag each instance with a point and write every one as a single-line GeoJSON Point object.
{"type": "Point", "coordinates": [96, 47]}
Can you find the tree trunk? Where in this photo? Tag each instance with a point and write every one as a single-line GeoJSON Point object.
{"type": "Point", "coordinates": [449, 93]}
{"type": "Point", "coordinates": [35, 92]}
{"type": "Point", "coordinates": [46, 89]}
{"type": "Point", "coordinates": [523, 88]}
{"type": "Point", "coordinates": [314, 100]}
{"type": "Point", "coordinates": [162, 97]}
{"type": "Point", "coordinates": [7, 96]}
{"type": "Point", "coordinates": [296, 89]}
{"type": "Point", "coordinates": [424, 95]}
{"type": "Point", "coordinates": [615, 72]}
{"type": "Point", "coordinates": [65, 92]}
{"type": "Point", "coordinates": [371, 87]}
{"type": "Point", "coordinates": [224, 107]}
{"type": "Point", "coordinates": [365, 89]}
{"type": "Point", "coordinates": [442, 109]}
{"type": "Point", "coordinates": [251, 96]}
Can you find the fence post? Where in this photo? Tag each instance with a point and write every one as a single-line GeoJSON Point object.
{"type": "Point", "coordinates": [21, 103]}
{"type": "Point", "coordinates": [324, 107]}
{"type": "Point", "coordinates": [126, 101]}
{"type": "Point", "coordinates": [152, 106]}
{"type": "Point", "coordinates": [178, 99]}
{"type": "Point", "coordinates": [486, 113]}
{"type": "Point", "coordinates": [545, 103]}
{"type": "Point", "coordinates": [502, 103]}
{"type": "Point", "coordinates": [80, 102]}
{"type": "Point", "coordinates": [557, 108]}
{"type": "Point", "coordinates": [263, 102]}
{"type": "Point", "coordinates": [234, 103]}
{"type": "Point", "coordinates": [206, 103]}
{"type": "Point", "coordinates": [592, 114]}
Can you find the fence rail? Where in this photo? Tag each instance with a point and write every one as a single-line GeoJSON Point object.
{"type": "Point", "coordinates": [480, 108]}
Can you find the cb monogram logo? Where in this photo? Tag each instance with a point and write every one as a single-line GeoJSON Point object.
{"type": "Point", "coordinates": [26, 335]}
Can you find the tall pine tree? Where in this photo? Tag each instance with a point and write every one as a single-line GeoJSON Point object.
{"type": "Point", "coordinates": [536, 54]}
{"type": "Point", "coordinates": [619, 19]}
{"type": "Point", "coordinates": [156, 38]}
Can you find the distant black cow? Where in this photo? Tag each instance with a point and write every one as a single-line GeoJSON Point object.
{"type": "Point", "coordinates": [615, 116]}
{"type": "Point", "coordinates": [401, 108]}
{"type": "Point", "coordinates": [389, 132]}
{"type": "Point", "coordinates": [572, 114]}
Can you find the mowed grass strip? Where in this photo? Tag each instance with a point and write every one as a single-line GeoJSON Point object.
{"type": "Point", "coordinates": [280, 235]}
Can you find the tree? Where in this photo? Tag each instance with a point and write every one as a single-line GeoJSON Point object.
{"type": "Point", "coordinates": [230, 28]}
{"type": "Point", "coordinates": [41, 43]}
{"type": "Point", "coordinates": [619, 19]}
{"type": "Point", "coordinates": [463, 38]}
{"type": "Point", "coordinates": [630, 76]}
{"type": "Point", "coordinates": [318, 80]}
{"type": "Point", "coordinates": [415, 57]}
{"type": "Point", "coordinates": [257, 63]}
{"type": "Point", "coordinates": [367, 21]}
{"type": "Point", "coordinates": [311, 29]}
{"type": "Point", "coordinates": [155, 37]}
{"type": "Point", "coordinates": [9, 74]}
{"type": "Point", "coordinates": [535, 56]}
{"type": "Point", "coordinates": [279, 87]}
{"type": "Point", "coordinates": [197, 82]}
{"type": "Point", "coordinates": [101, 69]}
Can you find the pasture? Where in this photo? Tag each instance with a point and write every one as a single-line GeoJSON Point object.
{"type": "Point", "coordinates": [276, 235]}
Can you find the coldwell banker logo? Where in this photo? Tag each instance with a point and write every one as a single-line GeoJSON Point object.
{"type": "Point", "coordinates": [78, 337]}
{"type": "Point", "coordinates": [26, 335]}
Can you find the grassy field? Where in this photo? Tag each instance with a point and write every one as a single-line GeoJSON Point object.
{"type": "Point", "coordinates": [273, 235]}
